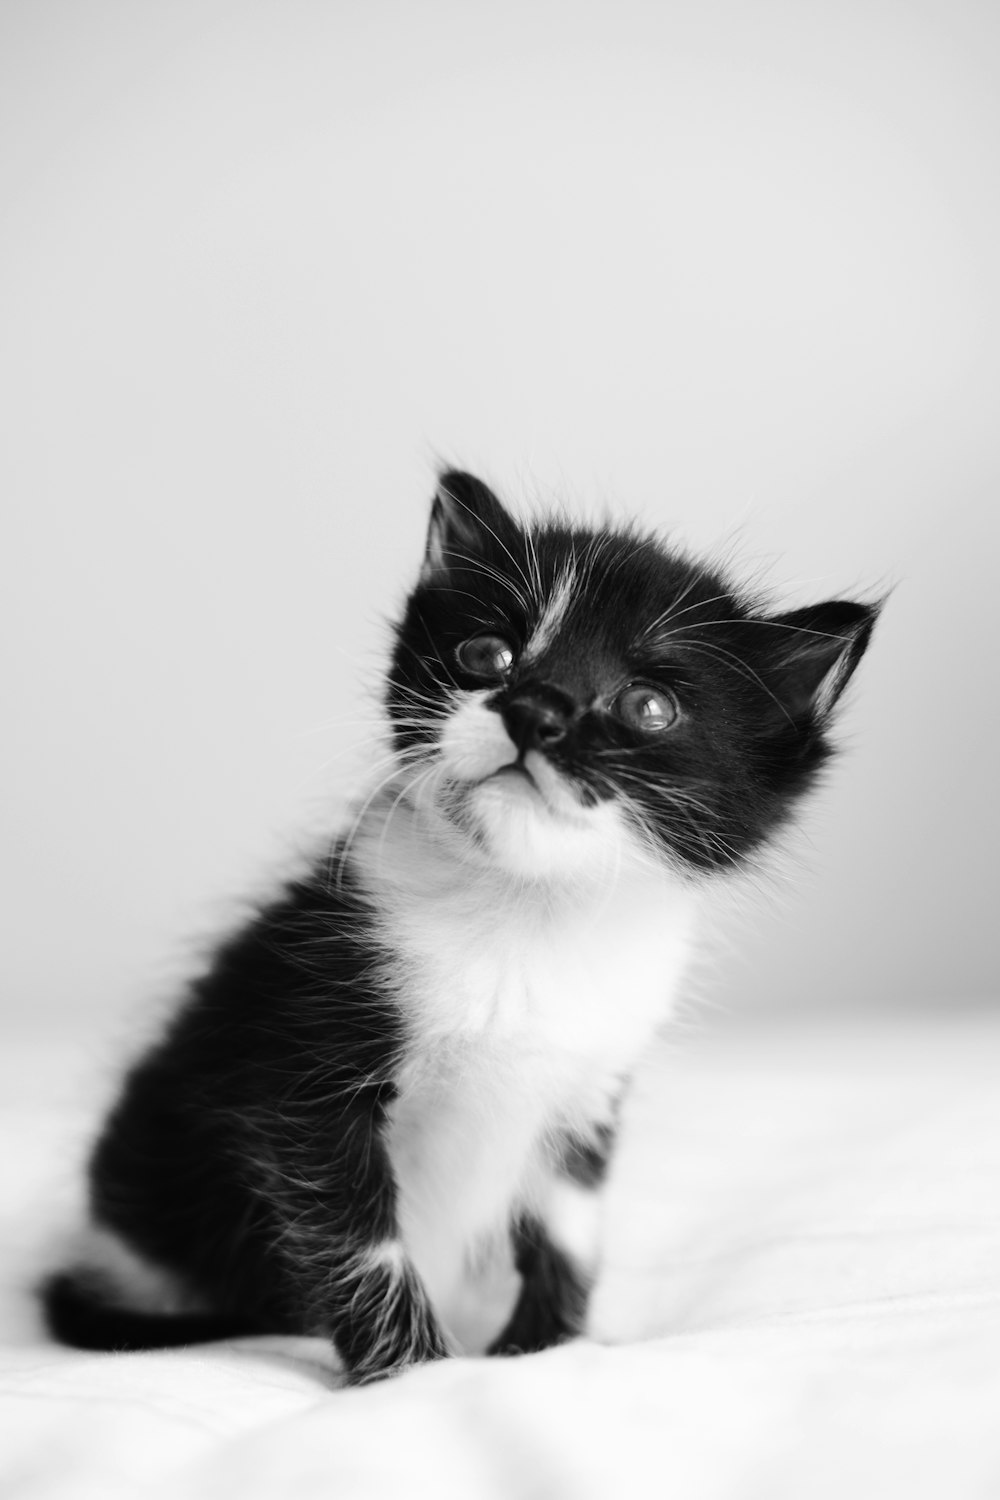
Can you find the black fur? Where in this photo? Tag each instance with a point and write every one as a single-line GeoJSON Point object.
{"type": "Point", "coordinates": [552, 1302]}
{"type": "Point", "coordinates": [80, 1313]}
{"type": "Point", "coordinates": [247, 1152]}
{"type": "Point", "coordinates": [755, 690]}
{"type": "Point", "coordinates": [585, 1160]}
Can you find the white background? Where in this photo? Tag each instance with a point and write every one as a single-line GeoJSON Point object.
{"type": "Point", "coordinates": [728, 267]}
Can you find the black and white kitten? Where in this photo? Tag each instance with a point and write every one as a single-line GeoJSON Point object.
{"type": "Point", "coordinates": [418, 1051]}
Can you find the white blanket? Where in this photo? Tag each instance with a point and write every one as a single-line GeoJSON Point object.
{"type": "Point", "coordinates": [801, 1299]}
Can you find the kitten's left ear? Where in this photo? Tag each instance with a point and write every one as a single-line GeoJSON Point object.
{"type": "Point", "coordinates": [466, 517]}
{"type": "Point", "coordinates": [814, 653]}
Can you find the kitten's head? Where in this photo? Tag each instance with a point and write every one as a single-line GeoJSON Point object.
{"type": "Point", "coordinates": [558, 694]}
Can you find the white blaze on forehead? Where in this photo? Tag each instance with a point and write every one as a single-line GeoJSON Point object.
{"type": "Point", "coordinates": [553, 614]}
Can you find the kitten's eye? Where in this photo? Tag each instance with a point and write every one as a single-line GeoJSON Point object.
{"type": "Point", "coordinates": [486, 656]}
{"type": "Point", "coordinates": [650, 710]}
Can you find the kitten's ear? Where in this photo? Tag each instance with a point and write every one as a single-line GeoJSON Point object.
{"type": "Point", "coordinates": [814, 653]}
{"type": "Point", "coordinates": [466, 517]}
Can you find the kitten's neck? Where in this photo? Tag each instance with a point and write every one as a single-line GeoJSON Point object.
{"type": "Point", "coordinates": [581, 969]}
{"type": "Point", "coordinates": [409, 848]}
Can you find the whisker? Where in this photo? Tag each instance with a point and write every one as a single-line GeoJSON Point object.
{"type": "Point", "coordinates": [533, 562]}
{"type": "Point", "coordinates": [342, 847]}
{"type": "Point", "coordinates": [737, 622]}
{"type": "Point", "coordinates": [672, 613]}
{"type": "Point", "coordinates": [433, 661]}
{"type": "Point", "coordinates": [479, 521]}
{"type": "Point", "coordinates": [486, 570]}
{"type": "Point", "coordinates": [406, 790]}
{"type": "Point", "coordinates": [737, 664]}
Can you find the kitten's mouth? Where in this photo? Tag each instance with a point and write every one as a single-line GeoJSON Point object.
{"type": "Point", "coordinates": [515, 776]}
{"type": "Point", "coordinates": [545, 785]}
{"type": "Point", "coordinates": [517, 770]}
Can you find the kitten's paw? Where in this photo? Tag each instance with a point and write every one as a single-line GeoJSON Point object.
{"type": "Point", "coordinates": [373, 1374]}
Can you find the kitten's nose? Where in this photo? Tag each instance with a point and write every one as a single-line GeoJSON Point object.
{"type": "Point", "coordinates": [537, 718]}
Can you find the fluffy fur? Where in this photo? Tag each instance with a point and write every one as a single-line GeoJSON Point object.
{"type": "Point", "coordinates": [414, 1058]}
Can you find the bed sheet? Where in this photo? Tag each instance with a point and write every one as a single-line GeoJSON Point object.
{"type": "Point", "coordinates": [800, 1298]}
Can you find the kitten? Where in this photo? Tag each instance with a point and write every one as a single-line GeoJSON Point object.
{"type": "Point", "coordinates": [420, 1049]}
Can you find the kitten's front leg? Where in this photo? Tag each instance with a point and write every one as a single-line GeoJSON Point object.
{"type": "Point", "coordinates": [344, 1260]}
{"type": "Point", "coordinates": [555, 1260]}
{"type": "Point", "coordinates": [382, 1321]}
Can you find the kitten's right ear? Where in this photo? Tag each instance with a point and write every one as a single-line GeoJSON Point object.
{"type": "Point", "coordinates": [466, 517]}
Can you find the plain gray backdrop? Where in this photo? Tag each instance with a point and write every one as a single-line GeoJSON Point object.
{"type": "Point", "coordinates": [729, 268]}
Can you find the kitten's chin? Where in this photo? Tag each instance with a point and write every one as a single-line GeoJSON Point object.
{"type": "Point", "coordinates": [524, 821]}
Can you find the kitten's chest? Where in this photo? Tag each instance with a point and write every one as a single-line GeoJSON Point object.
{"type": "Point", "coordinates": [568, 984]}
{"type": "Point", "coordinates": [522, 1024]}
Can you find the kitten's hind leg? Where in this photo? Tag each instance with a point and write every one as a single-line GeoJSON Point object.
{"type": "Point", "coordinates": [555, 1253]}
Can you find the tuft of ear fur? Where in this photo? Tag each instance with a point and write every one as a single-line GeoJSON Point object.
{"type": "Point", "coordinates": [465, 517]}
{"type": "Point", "coordinates": [815, 654]}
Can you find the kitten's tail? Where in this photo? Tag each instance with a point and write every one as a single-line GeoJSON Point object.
{"type": "Point", "coordinates": [78, 1312]}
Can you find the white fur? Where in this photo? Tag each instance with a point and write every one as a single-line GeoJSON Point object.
{"type": "Point", "coordinates": [574, 1221]}
{"type": "Point", "coordinates": [535, 829]}
{"type": "Point", "coordinates": [551, 619]}
{"type": "Point", "coordinates": [535, 948]}
{"type": "Point", "coordinates": [388, 1255]}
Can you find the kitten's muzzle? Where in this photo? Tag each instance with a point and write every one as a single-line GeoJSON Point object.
{"type": "Point", "coordinates": [537, 717]}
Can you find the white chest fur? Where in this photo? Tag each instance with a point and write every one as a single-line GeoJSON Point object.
{"type": "Point", "coordinates": [526, 1006]}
